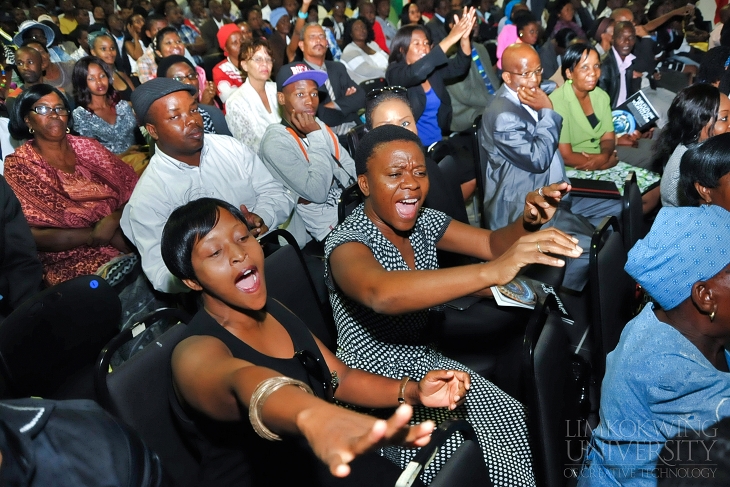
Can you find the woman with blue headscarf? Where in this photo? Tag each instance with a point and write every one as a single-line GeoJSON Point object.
{"type": "Point", "coordinates": [669, 373]}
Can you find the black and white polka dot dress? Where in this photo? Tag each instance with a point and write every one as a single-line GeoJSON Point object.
{"type": "Point", "coordinates": [394, 346]}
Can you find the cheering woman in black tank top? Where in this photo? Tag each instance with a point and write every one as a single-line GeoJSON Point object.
{"type": "Point", "coordinates": [242, 346]}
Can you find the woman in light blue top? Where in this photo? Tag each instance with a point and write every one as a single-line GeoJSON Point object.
{"type": "Point", "coordinates": [669, 374]}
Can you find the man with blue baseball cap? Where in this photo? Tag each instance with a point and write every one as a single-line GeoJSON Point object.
{"type": "Point", "coordinates": [305, 154]}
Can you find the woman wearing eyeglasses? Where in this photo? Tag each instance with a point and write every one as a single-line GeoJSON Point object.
{"type": "Point", "coordinates": [422, 70]}
{"type": "Point", "coordinates": [72, 189]}
{"type": "Point", "coordinates": [587, 138]}
{"type": "Point", "coordinates": [254, 106]}
{"type": "Point", "coordinates": [181, 69]}
{"type": "Point", "coordinates": [101, 115]}
{"type": "Point", "coordinates": [250, 371]}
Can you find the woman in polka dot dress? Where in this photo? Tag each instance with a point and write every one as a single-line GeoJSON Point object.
{"type": "Point", "coordinates": [383, 276]}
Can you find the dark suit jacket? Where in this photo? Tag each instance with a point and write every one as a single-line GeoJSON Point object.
{"type": "Point", "coordinates": [21, 272]}
{"type": "Point", "coordinates": [437, 29]}
{"type": "Point", "coordinates": [349, 105]}
{"type": "Point", "coordinates": [209, 30]}
{"type": "Point", "coordinates": [436, 68]}
{"type": "Point", "coordinates": [610, 80]}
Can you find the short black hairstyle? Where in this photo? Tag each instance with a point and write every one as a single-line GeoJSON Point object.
{"type": "Point", "coordinates": [402, 42]}
{"type": "Point", "coordinates": [574, 54]}
{"type": "Point", "coordinates": [160, 36]}
{"type": "Point", "coordinates": [164, 64]}
{"type": "Point", "coordinates": [713, 65]}
{"type": "Point", "coordinates": [373, 102]}
{"type": "Point", "coordinates": [704, 163]}
{"type": "Point", "coordinates": [379, 136]}
{"type": "Point", "coordinates": [17, 127]}
{"type": "Point", "coordinates": [185, 227]}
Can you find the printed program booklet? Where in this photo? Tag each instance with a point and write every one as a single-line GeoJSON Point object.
{"type": "Point", "coordinates": [524, 292]}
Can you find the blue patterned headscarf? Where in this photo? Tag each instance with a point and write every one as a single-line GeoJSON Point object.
{"type": "Point", "coordinates": [685, 245]}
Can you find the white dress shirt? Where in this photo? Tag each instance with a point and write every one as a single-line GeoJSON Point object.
{"type": "Point", "coordinates": [228, 171]}
{"type": "Point", "coordinates": [247, 116]}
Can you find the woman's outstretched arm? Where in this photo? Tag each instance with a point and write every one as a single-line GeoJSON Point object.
{"type": "Point", "coordinates": [209, 379]}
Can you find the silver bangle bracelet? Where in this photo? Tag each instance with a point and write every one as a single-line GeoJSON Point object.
{"type": "Point", "coordinates": [261, 394]}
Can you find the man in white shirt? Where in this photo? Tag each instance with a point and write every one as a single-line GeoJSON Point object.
{"type": "Point", "coordinates": [188, 165]}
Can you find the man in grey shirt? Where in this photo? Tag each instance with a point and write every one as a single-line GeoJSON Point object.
{"type": "Point", "coordinates": [305, 154]}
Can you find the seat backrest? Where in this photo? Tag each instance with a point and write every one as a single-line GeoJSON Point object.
{"type": "Point", "coordinates": [139, 395]}
{"type": "Point", "coordinates": [465, 467]}
{"type": "Point", "coordinates": [353, 138]}
{"type": "Point", "coordinates": [373, 84]}
{"type": "Point", "coordinates": [632, 212]}
{"type": "Point", "coordinates": [349, 199]}
{"type": "Point", "coordinates": [288, 281]}
{"type": "Point", "coordinates": [612, 290]}
{"type": "Point", "coordinates": [546, 372]}
{"type": "Point", "coordinates": [49, 341]}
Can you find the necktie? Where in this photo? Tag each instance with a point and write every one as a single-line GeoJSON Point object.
{"type": "Point", "coordinates": [482, 71]}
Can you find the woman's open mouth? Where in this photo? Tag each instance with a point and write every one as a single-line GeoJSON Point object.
{"type": "Point", "coordinates": [248, 280]}
{"type": "Point", "coordinates": [407, 208]}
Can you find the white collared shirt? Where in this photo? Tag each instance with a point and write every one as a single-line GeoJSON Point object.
{"type": "Point", "coordinates": [228, 171]}
{"type": "Point", "coordinates": [530, 110]}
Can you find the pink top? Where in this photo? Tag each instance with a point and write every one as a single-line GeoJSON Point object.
{"type": "Point", "coordinates": [506, 38]}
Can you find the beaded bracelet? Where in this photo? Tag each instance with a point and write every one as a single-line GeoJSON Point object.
{"type": "Point", "coordinates": [261, 394]}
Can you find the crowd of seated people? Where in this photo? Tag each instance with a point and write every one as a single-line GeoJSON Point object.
{"type": "Point", "coordinates": [147, 141]}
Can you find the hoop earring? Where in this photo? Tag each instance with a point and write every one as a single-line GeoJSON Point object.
{"type": "Point", "coordinates": [68, 130]}
{"type": "Point", "coordinates": [712, 316]}
{"type": "Point", "coordinates": [30, 129]}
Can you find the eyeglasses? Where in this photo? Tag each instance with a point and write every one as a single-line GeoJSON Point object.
{"type": "Point", "coordinates": [314, 368]}
{"type": "Point", "coordinates": [528, 74]}
{"type": "Point", "coordinates": [44, 110]}
{"type": "Point", "coordinates": [398, 90]}
{"type": "Point", "coordinates": [181, 79]}
{"type": "Point", "coordinates": [262, 60]}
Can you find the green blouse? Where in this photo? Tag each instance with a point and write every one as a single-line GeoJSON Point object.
{"type": "Point", "coordinates": [577, 130]}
